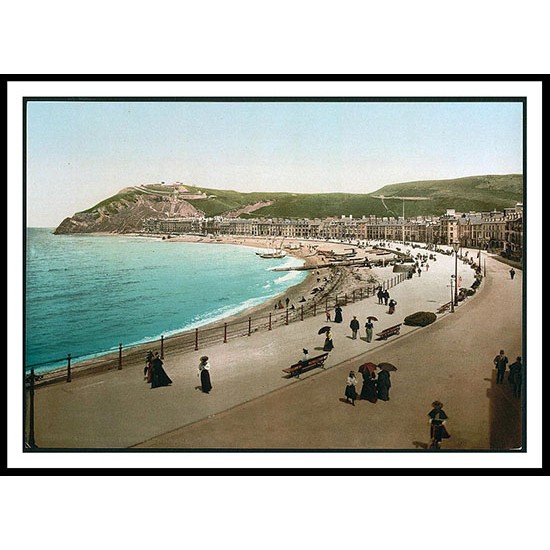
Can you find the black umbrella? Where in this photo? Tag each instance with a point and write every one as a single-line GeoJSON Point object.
{"type": "Point", "coordinates": [323, 330]}
{"type": "Point", "coordinates": [387, 366]}
{"type": "Point", "coordinates": [372, 318]}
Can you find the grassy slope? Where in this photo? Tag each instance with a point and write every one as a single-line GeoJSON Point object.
{"type": "Point", "coordinates": [464, 194]}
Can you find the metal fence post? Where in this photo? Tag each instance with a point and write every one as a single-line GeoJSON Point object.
{"type": "Point", "coordinates": [225, 333]}
{"type": "Point", "coordinates": [269, 322]}
{"type": "Point", "coordinates": [249, 325]}
{"type": "Point", "coordinates": [120, 357]}
{"type": "Point", "coordinates": [302, 312]}
{"type": "Point", "coordinates": [68, 367]}
{"type": "Point", "coordinates": [314, 309]}
{"type": "Point", "coordinates": [162, 346]}
{"type": "Point", "coordinates": [196, 339]}
{"type": "Point", "coordinates": [286, 320]}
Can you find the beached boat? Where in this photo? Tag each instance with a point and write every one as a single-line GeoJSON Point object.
{"type": "Point", "coordinates": [276, 253]}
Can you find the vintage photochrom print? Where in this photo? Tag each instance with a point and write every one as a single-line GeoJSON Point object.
{"type": "Point", "coordinates": [275, 273]}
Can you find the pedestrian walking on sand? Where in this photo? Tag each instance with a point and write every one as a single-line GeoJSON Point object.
{"type": "Point", "coordinates": [158, 374]}
{"type": "Point", "coordinates": [383, 385]}
{"type": "Point", "coordinates": [380, 295]}
{"type": "Point", "coordinates": [500, 362]}
{"type": "Point", "coordinates": [386, 297]}
{"type": "Point", "coordinates": [204, 373]}
{"type": "Point", "coordinates": [512, 273]}
{"type": "Point", "coordinates": [354, 326]}
{"type": "Point", "coordinates": [369, 327]}
{"type": "Point", "coordinates": [438, 431]}
{"type": "Point", "coordinates": [350, 391]}
{"type": "Point", "coordinates": [427, 266]}
{"type": "Point", "coordinates": [287, 300]}
{"type": "Point", "coordinates": [419, 272]}
{"type": "Point", "coordinates": [329, 345]}
{"type": "Point", "coordinates": [337, 314]}
{"type": "Point", "coordinates": [391, 306]}
{"type": "Point", "coordinates": [327, 313]}
{"type": "Point", "coordinates": [515, 377]}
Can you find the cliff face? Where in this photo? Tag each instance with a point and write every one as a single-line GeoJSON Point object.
{"type": "Point", "coordinates": [125, 212]}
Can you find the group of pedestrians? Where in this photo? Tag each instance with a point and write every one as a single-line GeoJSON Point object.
{"type": "Point", "coordinates": [376, 385]}
{"type": "Point", "coordinates": [515, 372]}
{"type": "Point", "coordinates": [354, 325]}
{"type": "Point", "coordinates": [154, 373]}
{"type": "Point", "coordinates": [384, 299]}
{"type": "Point", "coordinates": [383, 296]}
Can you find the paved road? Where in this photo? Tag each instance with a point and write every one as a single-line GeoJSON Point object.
{"type": "Point", "coordinates": [450, 360]}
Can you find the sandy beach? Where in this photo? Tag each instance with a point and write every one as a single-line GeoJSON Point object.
{"type": "Point", "coordinates": [330, 280]}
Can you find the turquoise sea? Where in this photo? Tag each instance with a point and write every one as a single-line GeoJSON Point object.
{"type": "Point", "coordinates": [85, 294]}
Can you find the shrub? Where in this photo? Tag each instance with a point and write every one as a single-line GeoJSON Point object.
{"type": "Point", "coordinates": [420, 319]}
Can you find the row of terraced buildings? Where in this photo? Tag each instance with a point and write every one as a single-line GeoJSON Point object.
{"type": "Point", "coordinates": [500, 232]}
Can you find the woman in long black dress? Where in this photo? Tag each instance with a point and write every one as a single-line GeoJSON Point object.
{"type": "Point", "coordinates": [337, 314]}
{"type": "Point", "coordinates": [158, 374]}
{"type": "Point", "coordinates": [329, 345]}
{"type": "Point", "coordinates": [383, 385]}
{"type": "Point", "coordinates": [368, 391]}
{"type": "Point", "coordinates": [204, 372]}
{"type": "Point", "coordinates": [437, 425]}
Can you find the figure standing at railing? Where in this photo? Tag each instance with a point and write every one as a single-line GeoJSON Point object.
{"type": "Point", "coordinates": [158, 374]}
{"type": "Point", "coordinates": [338, 314]}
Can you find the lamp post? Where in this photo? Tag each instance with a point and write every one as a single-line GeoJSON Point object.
{"type": "Point", "coordinates": [452, 300]}
{"type": "Point", "coordinates": [456, 246]}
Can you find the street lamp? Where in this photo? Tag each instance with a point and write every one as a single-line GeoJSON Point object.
{"type": "Point", "coordinates": [456, 246]}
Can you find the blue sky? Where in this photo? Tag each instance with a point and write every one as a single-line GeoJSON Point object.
{"type": "Point", "coordinates": [79, 153]}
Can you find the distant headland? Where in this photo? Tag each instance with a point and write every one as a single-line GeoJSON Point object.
{"type": "Point", "coordinates": [126, 211]}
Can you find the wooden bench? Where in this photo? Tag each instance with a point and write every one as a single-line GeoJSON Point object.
{"type": "Point", "coordinates": [443, 308]}
{"type": "Point", "coordinates": [389, 332]}
{"type": "Point", "coordinates": [304, 366]}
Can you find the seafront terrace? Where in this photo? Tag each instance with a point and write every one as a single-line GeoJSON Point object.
{"type": "Point", "coordinates": [253, 405]}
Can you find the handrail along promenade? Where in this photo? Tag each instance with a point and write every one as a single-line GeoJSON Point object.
{"type": "Point", "coordinates": [199, 338]}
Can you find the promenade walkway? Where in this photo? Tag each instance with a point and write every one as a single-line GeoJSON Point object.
{"type": "Point", "coordinates": [252, 405]}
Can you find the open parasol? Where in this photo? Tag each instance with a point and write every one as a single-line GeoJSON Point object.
{"type": "Point", "coordinates": [387, 366]}
{"type": "Point", "coordinates": [371, 367]}
{"type": "Point", "coordinates": [372, 318]}
{"type": "Point", "coordinates": [322, 330]}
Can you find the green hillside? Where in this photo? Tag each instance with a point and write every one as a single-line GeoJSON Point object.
{"type": "Point", "coordinates": [125, 211]}
{"type": "Point", "coordinates": [478, 193]}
